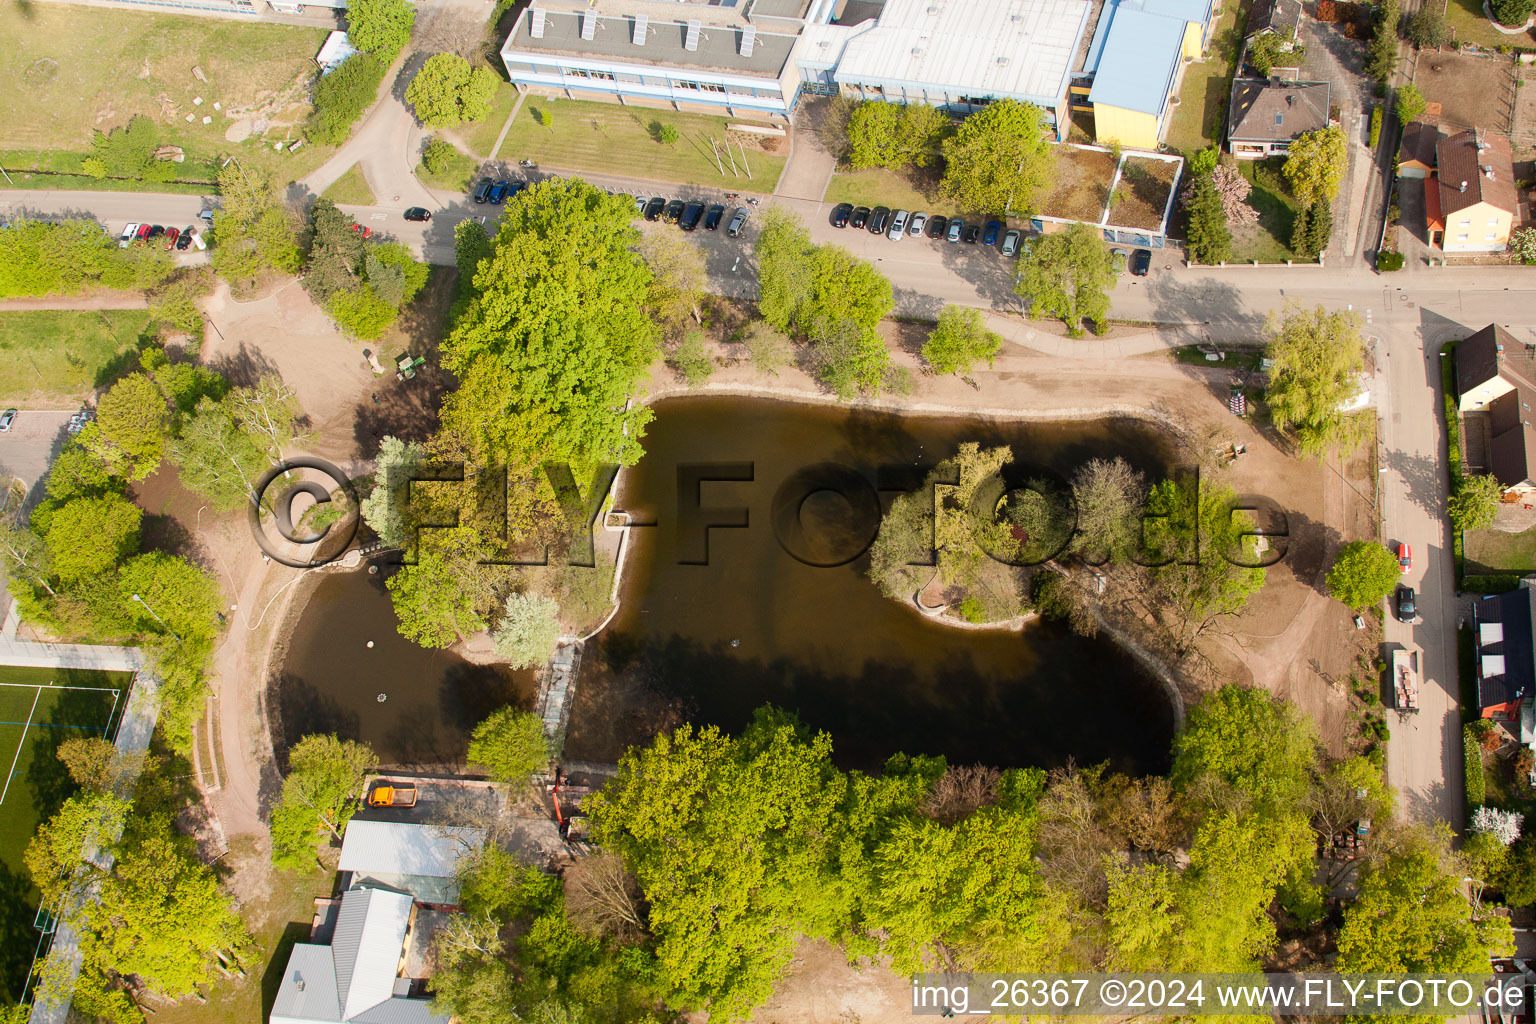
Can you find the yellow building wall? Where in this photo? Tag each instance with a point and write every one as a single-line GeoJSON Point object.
{"type": "Point", "coordinates": [1485, 220]}
{"type": "Point", "coordinates": [1131, 128]}
{"type": "Point", "coordinates": [1194, 40]}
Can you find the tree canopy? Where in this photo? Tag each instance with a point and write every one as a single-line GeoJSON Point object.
{"type": "Point", "coordinates": [1315, 165]}
{"type": "Point", "coordinates": [1069, 275]}
{"type": "Point", "coordinates": [1363, 574]}
{"type": "Point", "coordinates": [999, 161]}
{"type": "Point", "coordinates": [555, 339]}
{"type": "Point", "coordinates": [895, 135]}
{"type": "Point", "coordinates": [319, 797]}
{"type": "Point", "coordinates": [381, 27]}
{"type": "Point", "coordinates": [447, 92]}
{"type": "Point", "coordinates": [1318, 356]}
{"type": "Point", "coordinates": [510, 745]}
{"type": "Point", "coordinates": [1474, 502]}
{"type": "Point", "coordinates": [528, 629]}
{"type": "Point", "coordinates": [960, 340]}
{"type": "Point", "coordinates": [1256, 744]}
{"type": "Point", "coordinates": [132, 421]}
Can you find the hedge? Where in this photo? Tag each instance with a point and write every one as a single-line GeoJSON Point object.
{"type": "Point", "coordinates": [1473, 753]}
{"type": "Point", "coordinates": [1496, 583]}
{"type": "Point", "coordinates": [342, 95]}
{"type": "Point", "coordinates": [1452, 444]}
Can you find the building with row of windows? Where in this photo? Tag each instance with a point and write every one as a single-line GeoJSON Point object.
{"type": "Point", "coordinates": [1120, 59]}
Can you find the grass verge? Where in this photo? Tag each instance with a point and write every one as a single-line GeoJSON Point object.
{"type": "Point", "coordinates": [1198, 119]}
{"type": "Point", "coordinates": [1495, 551]}
{"type": "Point", "coordinates": [457, 177]}
{"type": "Point", "coordinates": [351, 189]}
{"type": "Point", "coordinates": [481, 135]}
{"type": "Point", "coordinates": [603, 137]}
{"type": "Point", "coordinates": [48, 356]}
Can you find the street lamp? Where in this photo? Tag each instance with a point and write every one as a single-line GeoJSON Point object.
{"type": "Point", "coordinates": [158, 619]}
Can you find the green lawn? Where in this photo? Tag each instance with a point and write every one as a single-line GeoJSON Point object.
{"type": "Point", "coordinates": [481, 135]}
{"type": "Point", "coordinates": [457, 178]}
{"type": "Point", "coordinates": [1469, 24]}
{"type": "Point", "coordinates": [1268, 240]}
{"type": "Point", "coordinates": [608, 138]}
{"type": "Point", "coordinates": [351, 189]}
{"type": "Point", "coordinates": [53, 356]}
{"type": "Point", "coordinates": [1197, 120]}
{"type": "Point", "coordinates": [39, 709]}
{"type": "Point", "coordinates": [67, 71]}
{"type": "Point", "coordinates": [1494, 551]}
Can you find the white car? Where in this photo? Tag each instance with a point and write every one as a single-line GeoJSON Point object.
{"type": "Point", "coordinates": [898, 226]}
{"type": "Point", "coordinates": [919, 221]}
{"type": "Point", "coordinates": [126, 238]}
{"type": "Point", "coordinates": [197, 240]}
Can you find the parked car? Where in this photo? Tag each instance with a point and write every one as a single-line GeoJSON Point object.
{"type": "Point", "coordinates": [654, 207]}
{"type": "Point", "coordinates": [840, 214]}
{"type": "Point", "coordinates": [937, 226]}
{"type": "Point", "coordinates": [155, 231]}
{"type": "Point", "coordinates": [483, 193]}
{"type": "Point", "coordinates": [6, 419]}
{"type": "Point", "coordinates": [1407, 604]}
{"type": "Point", "coordinates": [358, 229]}
{"type": "Point", "coordinates": [1118, 258]}
{"type": "Point", "coordinates": [713, 217]}
{"type": "Point", "coordinates": [898, 229]}
{"type": "Point", "coordinates": [994, 228]}
{"type": "Point", "coordinates": [127, 236]}
{"type": "Point", "coordinates": [879, 220]}
{"type": "Point", "coordinates": [197, 240]}
{"type": "Point", "coordinates": [860, 217]}
{"type": "Point", "coordinates": [184, 240]}
{"type": "Point", "coordinates": [956, 230]}
{"type": "Point", "coordinates": [1141, 262]}
{"type": "Point", "coordinates": [972, 233]}
{"type": "Point", "coordinates": [738, 222]}
{"type": "Point", "coordinates": [206, 215]}
{"type": "Point", "coordinates": [1011, 242]}
{"type": "Point", "coordinates": [674, 211]}
{"type": "Point", "coordinates": [499, 192]}
{"type": "Point", "coordinates": [692, 214]}
{"type": "Point", "coordinates": [639, 206]}
{"type": "Point", "coordinates": [171, 234]}
{"type": "Point", "coordinates": [919, 221]}
{"type": "Point", "coordinates": [420, 214]}
{"type": "Point", "coordinates": [1404, 558]}
{"type": "Point", "coordinates": [142, 235]}
{"type": "Point", "coordinates": [515, 186]}
{"type": "Point", "coordinates": [78, 421]}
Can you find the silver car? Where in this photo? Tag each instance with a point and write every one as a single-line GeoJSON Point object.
{"type": "Point", "coordinates": [919, 221]}
{"type": "Point", "coordinates": [1011, 242]}
{"type": "Point", "coordinates": [738, 222]}
{"type": "Point", "coordinates": [898, 226]}
{"type": "Point", "coordinates": [956, 229]}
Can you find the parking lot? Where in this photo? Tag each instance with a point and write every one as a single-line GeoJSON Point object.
{"type": "Point", "coordinates": [32, 442]}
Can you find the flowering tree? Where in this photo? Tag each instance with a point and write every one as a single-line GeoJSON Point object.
{"type": "Point", "coordinates": [1522, 245]}
{"type": "Point", "coordinates": [1503, 826]}
{"type": "Point", "coordinates": [1233, 189]}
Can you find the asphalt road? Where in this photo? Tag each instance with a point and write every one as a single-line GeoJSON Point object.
{"type": "Point", "coordinates": [1409, 314]}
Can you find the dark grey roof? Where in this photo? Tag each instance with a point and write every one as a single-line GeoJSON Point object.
{"type": "Point", "coordinates": [1493, 352]}
{"type": "Point", "coordinates": [1511, 449]}
{"type": "Point", "coordinates": [1279, 16]}
{"type": "Point", "coordinates": [1418, 145]}
{"type": "Point", "coordinates": [1267, 111]}
{"type": "Point", "coordinates": [719, 46]}
{"type": "Point", "coordinates": [1518, 648]}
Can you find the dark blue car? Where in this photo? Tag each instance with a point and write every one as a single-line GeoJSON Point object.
{"type": "Point", "coordinates": [993, 228]}
{"type": "Point", "coordinates": [499, 192]}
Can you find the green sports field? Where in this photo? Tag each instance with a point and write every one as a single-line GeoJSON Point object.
{"type": "Point", "coordinates": [40, 708]}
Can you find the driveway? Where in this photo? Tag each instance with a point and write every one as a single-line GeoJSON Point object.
{"type": "Point", "coordinates": [1337, 60]}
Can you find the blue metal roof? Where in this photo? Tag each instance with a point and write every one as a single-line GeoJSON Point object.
{"type": "Point", "coordinates": [1184, 10]}
{"type": "Point", "coordinates": [1181, 10]}
{"type": "Point", "coordinates": [1138, 61]}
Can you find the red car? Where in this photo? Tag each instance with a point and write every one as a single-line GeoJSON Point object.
{"type": "Point", "coordinates": [171, 234]}
{"type": "Point", "coordinates": [366, 232]}
{"type": "Point", "coordinates": [1404, 557]}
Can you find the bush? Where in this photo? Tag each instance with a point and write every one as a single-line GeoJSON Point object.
{"type": "Point", "coordinates": [692, 360]}
{"type": "Point", "coordinates": [1522, 245]}
{"type": "Point", "coordinates": [1363, 574]}
{"type": "Point", "coordinates": [971, 610]}
{"type": "Point", "coordinates": [342, 95]}
{"type": "Point", "coordinates": [437, 155]}
{"type": "Point", "coordinates": [1512, 12]}
{"type": "Point", "coordinates": [1490, 584]}
{"type": "Point", "coordinates": [1375, 126]}
{"type": "Point", "coordinates": [1427, 29]}
{"type": "Point", "coordinates": [1473, 753]}
{"type": "Point", "coordinates": [1387, 262]}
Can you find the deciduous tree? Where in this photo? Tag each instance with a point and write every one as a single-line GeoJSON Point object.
{"type": "Point", "coordinates": [1110, 497]}
{"type": "Point", "coordinates": [253, 230]}
{"type": "Point", "coordinates": [1317, 358]}
{"type": "Point", "coordinates": [433, 606]}
{"type": "Point", "coordinates": [510, 745]}
{"type": "Point", "coordinates": [677, 278]}
{"type": "Point", "coordinates": [999, 161]}
{"type": "Point", "coordinates": [894, 135]}
{"type": "Point", "coordinates": [1069, 275]}
{"type": "Point", "coordinates": [554, 339]}
{"type": "Point", "coordinates": [132, 422]}
{"type": "Point", "coordinates": [380, 27]}
{"type": "Point", "coordinates": [1255, 744]}
{"type": "Point", "coordinates": [1315, 165]}
{"type": "Point", "coordinates": [960, 340]}
{"type": "Point", "coordinates": [447, 92]}
{"type": "Point", "coordinates": [527, 631]}
{"type": "Point", "coordinates": [318, 798]}
{"type": "Point", "coordinates": [1363, 574]}
{"type": "Point", "coordinates": [1410, 99]}
{"type": "Point", "coordinates": [89, 537]}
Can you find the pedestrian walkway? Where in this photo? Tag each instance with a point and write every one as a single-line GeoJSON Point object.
{"type": "Point", "coordinates": [102, 659]}
{"type": "Point", "coordinates": [106, 300]}
{"type": "Point", "coordinates": [812, 162]}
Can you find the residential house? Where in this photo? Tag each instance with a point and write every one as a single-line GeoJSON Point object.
{"type": "Point", "coordinates": [1266, 116]}
{"type": "Point", "coordinates": [1505, 662]}
{"type": "Point", "coordinates": [1471, 205]}
{"type": "Point", "coordinates": [1496, 376]}
{"type": "Point", "coordinates": [355, 975]}
{"type": "Point", "coordinates": [1416, 153]}
{"type": "Point", "coordinates": [1280, 17]}
{"type": "Point", "coordinates": [366, 959]}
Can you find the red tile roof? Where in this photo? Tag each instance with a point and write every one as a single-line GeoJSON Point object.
{"type": "Point", "coordinates": [1476, 167]}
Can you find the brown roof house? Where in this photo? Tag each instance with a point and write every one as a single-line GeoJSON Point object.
{"type": "Point", "coordinates": [1416, 154]}
{"type": "Point", "coordinates": [1496, 374]}
{"type": "Point", "coordinates": [1267, 115]}
{"type": "Point", "coordinates": [1282, 17]}
{"type": "Point", "coordinates": [1477, 197]}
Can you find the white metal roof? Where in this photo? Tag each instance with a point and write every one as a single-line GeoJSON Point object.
{"type": "Point", "coordinates": [983, 48]}
{"type": "Point", "coordinates": [396, 848]}
{"type": "Point", "coordinates": [370, 934]}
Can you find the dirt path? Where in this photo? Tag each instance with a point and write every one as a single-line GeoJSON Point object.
{"type": "Point", "coordinates": [96, 300]}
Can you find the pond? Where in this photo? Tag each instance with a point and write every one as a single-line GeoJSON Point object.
{"type": "Point", "coordinates": [709, 643]}
{"type": "Point", "coordinates": [414, 706]}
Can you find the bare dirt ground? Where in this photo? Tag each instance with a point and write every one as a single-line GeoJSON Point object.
{"type": "Point", "coordinates": [1470, 90]}
{"type": "Point", "coordinates": [822, 987]}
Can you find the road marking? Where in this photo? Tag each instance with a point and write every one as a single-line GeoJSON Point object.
{"type": "Point", "coordinates": [379, 216]}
